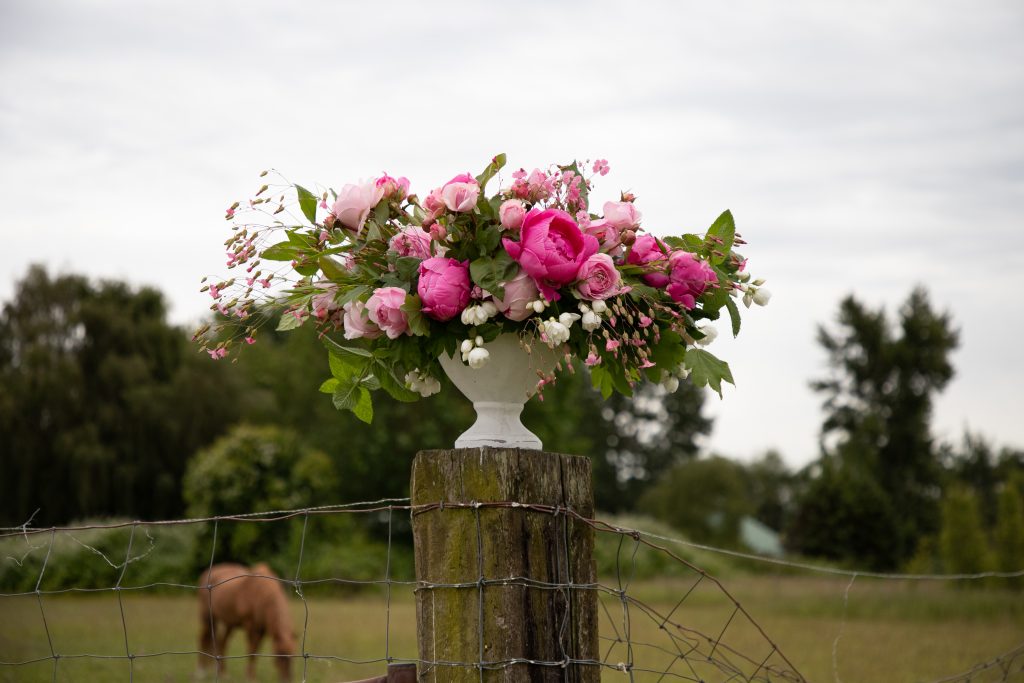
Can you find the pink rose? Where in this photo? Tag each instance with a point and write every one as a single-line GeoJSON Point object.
{"type": "Point", "coordinates": [433, 203]}
{"type": "Point", "coordinates": [520, 292]}
{"type": "Point", "coordinates": [622, 215]}
{"type": "Point", "coordinates": [460, 193]}
{"type": "Point", "coordinates": [598, 278]}
{"type": "Point", "coordinates": [384, 307]}
{"type": "Point", "coordinates": [324, 306]}
{"type": "Point", "coordinates": [356, 322]}
{"type": "Point", "coordinates": [392, 188]}
{"type": "Point", "coordinates": [411, 241]}
{"type": "Point", "coordinates": [354, 204]}
{"type": "Point", "coordinates": [511, 214]}
{"type": "Point", "coordinates": [689, 278]}
{"type": "Point", "coordinates": [443, 287]}
{"type": "Point", "coordinates": [551, 249]}
{"type": "Point", "coordinates": [649, 251]}
{"type": "Point", "coordinates": [607, 234]}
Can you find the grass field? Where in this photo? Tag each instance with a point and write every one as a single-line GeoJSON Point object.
{"type": "Point", "coordinates": [892, 631]}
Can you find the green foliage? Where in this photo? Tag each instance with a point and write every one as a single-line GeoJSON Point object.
{"type": "Point", "coordinates": [706, 499]}
{"type": "Point", "coordinates": [878, 404]}
{"type": "Point", "coordinates": [103, 401]}
{"type": "Point", "coordinates": [962, 541]}
{"type": "Point", "coordinates": [1009, 531]}
{"type": "Point", "coordinates": [619, 556]}
{"type": "Point", "coordinates": [707, 370]}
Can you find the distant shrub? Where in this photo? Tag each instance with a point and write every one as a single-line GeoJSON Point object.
{"type": "Point", "coordinates": [962, 542]}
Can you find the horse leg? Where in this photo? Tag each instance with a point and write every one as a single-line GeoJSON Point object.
{"type": "Point", "coordinates": [222, 648]}
{"type": "Point", "coordinates": [255, 636]}
{"type": "Point", "coordinates": [205, 643]}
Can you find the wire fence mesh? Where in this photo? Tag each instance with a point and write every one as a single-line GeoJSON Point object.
{"type": "Point", "coordinates": [126, 626]}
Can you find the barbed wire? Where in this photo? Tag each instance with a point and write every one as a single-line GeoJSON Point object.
{"type": "Point", "coordinates": [678, 651]}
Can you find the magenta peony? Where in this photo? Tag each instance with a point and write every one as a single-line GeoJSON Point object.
{"type": "Point", "coordinates": [443, 287]}
{"type": "Point", "coordinates": [649, 251]}
{"type": "Point", "coordinates": [689, 278]}
{"type": "Point", "coordinates": [551, 249]}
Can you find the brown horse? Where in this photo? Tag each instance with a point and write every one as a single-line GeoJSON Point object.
{"type": "Point", "coordinates": [234, 596]}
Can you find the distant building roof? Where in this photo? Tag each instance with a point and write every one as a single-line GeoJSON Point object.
{"type": "Point", "coordinates": [759, 538]}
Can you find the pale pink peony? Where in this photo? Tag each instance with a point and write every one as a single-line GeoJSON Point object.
{"type": "Point", "coordinates": [598, 278]}
{"type": "Point", "coordinates": [460, 193]}
{"type": "Point", "coordinates": [354, 204]}
{"type": "Point", "coordinates": [443, 287]}
{"type": "Point", "coordinates": [520, 292]}
{"type": "Point", "coordinates": [622, 215]}
{"type": "Point", "coordinates": [511, 214]}
{"type": "Point", "coordinates": [357, 323]}
{"type": "Point", "coordinates": [385, 309]}
{"type": "Point", "coordinates": [551, 249]}
{"type": "Point", "coordinates": [689, 278]}
{"type": "Point", "coordinates": [411, 241]}
{"type": "Point", "coordinates": [649, 251]}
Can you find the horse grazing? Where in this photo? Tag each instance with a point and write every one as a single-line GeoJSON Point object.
{"type": "Point", "coordinates": [234, 596]}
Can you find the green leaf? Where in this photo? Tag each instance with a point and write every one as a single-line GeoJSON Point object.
{"type": "Point", "coordinates": [282, 251]}
{"type": "Point", "coordinates": [687, 242]}
{"type": "Point", "coordinates": [332, 269]}
{"type": "Point", "coordinates": [381, 213]}
{"type": "Point", "coordinates": [497, 163]}
{"type": "Point", "coordinates": [347, 393]}
{"type": "Point", "coordinates": [372, 383]}
{"type": "Point", "coordinates": [724, 228]}
{"type": "Point", "coordinates": [329, 386]}
{"type": "Point", "coordinates": [492, 272]}
{"type": "Point", "coordinates": [488, 239]}
{"type": "Point", "coordinates": [708, 370]}
{"type": "Point", "coordinates": [407, 267]}
{"type": "Point", "coordinates": [418, 325]}
{"type": "Point", "coordinates": [734, 314]}
{"type": "Point", "coordinates": [601, 379]}
{"type": "Point", "coordinates": [669, 351]}
{"type": "Point", "coordinates": [307, 202]}
{"type": "Point", "coordinates": [396, 389]}
{"type": "Point", "coordinates": [289, 321]}
{"type": "Point", "coordinates": [363, 407]}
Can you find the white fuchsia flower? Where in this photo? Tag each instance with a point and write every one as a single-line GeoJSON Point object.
{"type": "Point", "coordinates": [554, 332]}
{"type": "Point", "coordinates": [590, 321]}
{"type": "Point", "coordinates": [477, 358]}
{"type": "Point", "coordinates": [422, 383]}
{"type": "Point", "coordinates": [709, 332]}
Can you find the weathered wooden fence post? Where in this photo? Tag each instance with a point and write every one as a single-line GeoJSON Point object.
{"type": "Point", "coordinates": [503, 586]}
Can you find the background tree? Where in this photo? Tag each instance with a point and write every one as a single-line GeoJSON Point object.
{"type": "Point", "coordinates": [1009, 532]}
{"type": "Point", "coordinates": [103, 401]}
{"type": "Point", "coordinates": [962, 541]}
{"type": "Point", "coordinates": [878, 405]}
{"type": "Point", "coordinates": [770, 484]}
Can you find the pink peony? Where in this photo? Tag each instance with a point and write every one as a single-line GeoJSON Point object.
{"type": "Point", "coordinates": [689, 278]}
{"type": "Point", "coordinates": [511, 214]}
{"type": "Point", "coordinates": [393, 188]}
{"type": "Point", "coordinates": [622, 215]}
{"type": "Point", "coordinates": [649, 251]}
{"type": "Point", "coordinates": [598, 278]}
{"type": "Point", "coordinates": [520, 292]}
{"type": "Point", "coordinates": [356, 322]}
{"type": "Point", "coordinates": [411, 241]}
{"type": "Point", "coordinates": [385, 309]}
{"type": "Point", "coordinates": [460, 193]}
{"type": "Point", "coordinates": [354, 204]}
{"type": "Point", "coordinates": [443, 287]}
{"type": "Point", "coordinates": [551, 249]}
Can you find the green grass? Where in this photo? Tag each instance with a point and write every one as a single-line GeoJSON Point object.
{"type": "Point", "coordinates": [892, 631]}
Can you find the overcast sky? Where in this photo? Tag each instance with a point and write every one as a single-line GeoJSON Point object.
{"type": "Point", "coordinates": [864, 148]}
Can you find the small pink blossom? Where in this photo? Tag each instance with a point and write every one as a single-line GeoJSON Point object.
{"type": "Point", "coordinates": [646, 364]}
{"type": "Point", "coordinates": [217, 353]}
{"type": "Point", "coordinates": [601, 166]}
{"type": "Point", "coordinates": [250, 340]}
{"type": "Point", "coordinates": [592, 360]}
{"type": "Point", "coordinates": [265, 282]}
{"type": "Point", "coordinates": [611, 345]}
{"type": "Point", "coordinates": [230, 213]}
{"type": "Point", "coordinates": [384, 308]}
{"type": "Point", "coordinates": [645, 321]}
{"type": "Point", "coordinates": [215, 292]}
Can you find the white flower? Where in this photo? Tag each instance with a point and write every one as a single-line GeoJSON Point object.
{"type": "Point", "coordinates": [489, 308]}
{"type": "Point", "coordinates": [762, 296]}
{"type": "Point", "coordinates": [591, 321]}
{"type": "Point", "coordinates": [478, 357]}
{"type": "Point", "coordinates": [748, 298]}
{"type": "Point", "coordinates": [583, 307]}
{"type": "Point", "coordinates": [538, 306]}
{"type": "Point", "coordinates": [709, 335]}
{"type": "Point", "coordinates": [671, 384]}
{"type": "Point", "coordinates": [568, 319]}
{"type": "Point", "coordinates": [421, 383]}
{"type": "Point", "coordinates": [467, 346]}
{"type": "Point", "coordinates": [555, 332]}
{"type": "Point", "coordinates": [682, 372]}
{"type": "Point", "coordinates": [477, 315]}
{"type": "Point", "coordinates": [742, 277]}
{"type": "Point", "coordinates": [599, 306]}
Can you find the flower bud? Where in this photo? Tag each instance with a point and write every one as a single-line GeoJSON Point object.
{"type": "Point", "coordinates": [467, 346]}
{"type": "Point", "coordinates": [709, 335]}
{"type": "Point", "coordinates": [671, 384]}
{"type": "Point", "coordinates": [591, 321]}
{"type": "Point", "coordinates": [599, 307]}
{"type": "Point", "coordinates": [568, 319]}
{"type": "Point", "coordinates": [538, 306]}
{"type": "Point", "coordinates": [478, 357]}
{"type": "Point", "coordinates": [762, 296]}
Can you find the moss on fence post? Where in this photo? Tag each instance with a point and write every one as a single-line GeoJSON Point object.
{"type": "Point", "coordinates": [539, 614]}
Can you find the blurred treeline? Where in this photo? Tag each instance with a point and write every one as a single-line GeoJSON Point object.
{"type": "Point", "coordinates": [110, 411]}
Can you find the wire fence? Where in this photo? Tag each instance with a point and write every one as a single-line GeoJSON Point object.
{"type": "Point", "coordinates": [691, 628]}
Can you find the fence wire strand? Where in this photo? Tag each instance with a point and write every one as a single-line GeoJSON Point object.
{"type": "Point", "coordinates": [680, 650]}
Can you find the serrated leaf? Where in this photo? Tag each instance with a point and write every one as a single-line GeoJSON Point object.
{"type": "Point", "coordinates": [290, 321]}
{"type": "Point", "coordinates": [347, 394]}
{"type": "Point", "coordinates": [329, 386]}
{"type": "Point", "coordinates": [418, 324]}
{"type": "Point", "coordinates": [282, 251]}
{"type": "Point", "coordinates": [371, 382]}
{"type": "Point", "coordinates": [734, 314]}
{"type": "Point", "coordinates": [363, 407]}
{"type": "Point", "coordinates": [724, 228]}
{"type": "Point", "coordinates": [488, 239]}
{"type": "Point", "coordinates": [307, 202]}
{"type": "Point", "coordinates": [706, 369]}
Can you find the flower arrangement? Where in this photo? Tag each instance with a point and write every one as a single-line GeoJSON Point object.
{"type": "Point", "coordinates": [393, 281]}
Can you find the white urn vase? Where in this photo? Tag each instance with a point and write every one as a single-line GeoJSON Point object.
{"type": "Point", "coordinates": [499, 390]}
